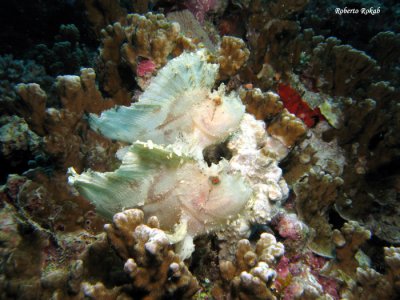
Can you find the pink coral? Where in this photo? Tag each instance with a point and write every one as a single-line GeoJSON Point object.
{"type": "Point", "coordinates": [330, 286]}
{"type": "Point", "coordinates": [289, 226]}
{"type": "Point", "coordinates": [145, 67]}
{"type": "Point", "coordinates": [294, 272]}
{"type": "Point", "coordinates": [293, 291]}
{"type": "Point", "coordinates": [283, 277]}
{"type": "Point", "coordinates": [199, 8]}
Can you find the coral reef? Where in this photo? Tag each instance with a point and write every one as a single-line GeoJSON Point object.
{"type": "Point", "coordinates": [348, 68]}
{"type": "Point", "coordinates": [233, 54]}
{"type": "Point", "coordinates": [238, 149]}
{"type": "Point", "coordinates": [191, 28]}
{"type": "Point", "coordinates": [14, 71]}
{"type": "Point", "coordinates": [66, 56]}
{"type": "Point", "coordinates": [287, 128]}
{"type": "Point", "coordinates": [315, 194]}
{"type": "Point", "coordinates": [251, 274]}
{"type": "Point", "coordinates": [151, 36]}
{"type": "Point", "coordinates": [151, 264]}
{"type": "Point", "coordinates": [142, 177]}
{"type": "Point", "coordinates": [102, 13]}
{"type": "Point", "coordinates": [263, 106]}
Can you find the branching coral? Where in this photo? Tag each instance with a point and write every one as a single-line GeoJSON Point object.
{"type": "Point", "coordinates": [13, 72]}
{"type": "Point", "coordinates": [353, 268]}
{"type": "Point", "coordinates": [101, 13]}
{"type": "Point", "coordinates": [348, 240]}
{"type": "Point", "coordinates": [370, 184]}
{"type": "Point", "coordinates": [287, 128]}
{"type": "Point", "coordinates": [263, 106]}
{"type": "Point", "coordinates": [315, 195]}
{"type": "Point", "coordinates": [62, 129]}
{"type": "Point", "coordinates": [154, 268]}
{"type": "Point", "coordinates": [151, 36]}
{"type": "Point", "coordinates": [252, 273]}
{"type": "Point", "coordinates": [204, 172]}
{"type": "Point", "coordinates": [341, 68]}
{"type": "Point", "coordinates": [233, 54]}
{"type": "Point", "coordinates": [273, 40]}
{"type": "Point", "coordinates": [392, 259]}
{"type": "Point", "coordinates": [191, 28]}
{"type": "Point", "coordinates": [66, 55]}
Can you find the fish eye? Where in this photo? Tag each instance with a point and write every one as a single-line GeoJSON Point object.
{"type": "Point", "coordinates": [214, 180]}
{"type": "Point", "coordinates": [217, 101]}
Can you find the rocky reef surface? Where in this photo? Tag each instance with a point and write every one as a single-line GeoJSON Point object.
{"type": "Point", "coordinates": [200, 149]}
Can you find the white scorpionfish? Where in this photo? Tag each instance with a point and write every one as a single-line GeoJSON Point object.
{"type": "Point", "coordinates": [174, 182]}
{"type": "Point", "coordinates": [177, 106]}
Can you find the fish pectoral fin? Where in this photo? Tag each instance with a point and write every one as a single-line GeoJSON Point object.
{"type": "Point", "coordinates": [185, 248]}
{"type": "Point", "coordinates": [180, 232]}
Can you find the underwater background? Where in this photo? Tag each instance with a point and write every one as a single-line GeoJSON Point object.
{"type": "Point", "coordinates": [199, 149]}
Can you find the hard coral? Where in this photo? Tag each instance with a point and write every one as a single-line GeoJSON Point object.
{"type": "Point", "coordinates": [252, 273]}
{"type": "Point", "coordinates": [155, 270]}
{"type": "Point", "coordinates": [150, 36]}
{"type": "Point", "coordinates": [199, 8]}
{"type": "Point", "coordinates": [263, 106]}
{"type": "Point", "coordinates": [287, 128]}
{"type": "Point", "coordinates": [233, 54]}
{"type": "Point", "coordinates": [299, 276]}
{"type": "Point", "coordinates": [315, 195]}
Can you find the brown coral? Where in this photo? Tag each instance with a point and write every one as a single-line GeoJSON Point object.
{"type": "Point", "coordinates": [354, 236]}
{"type": "Point", "coordinates": [150, 262]}
{"type": "Point", "coordinates": [341, 69]}
{"type": "Point", "coordinates": [252, 274]}
{"type": "Point", "coordinates": [315, 195]}
{"type": "Point", "coordinates": [233, 54]}
{"type": "Point", "coordinates": [372, 129]}
{"type": "Point", "coordinates": [263, 106]}
{"type": "Point", "coordinates": [287, 128]}
{"type": "Point", "coordinates": [33, 105]}
{"type": "Point", "coordinates": [103, 12]}
{"type": "Point", "coordinates": [62, 129]}
{"type": "Point", "coordinates": [151, 36]}
{"type": "Point", "coordinates": [360, 281]}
